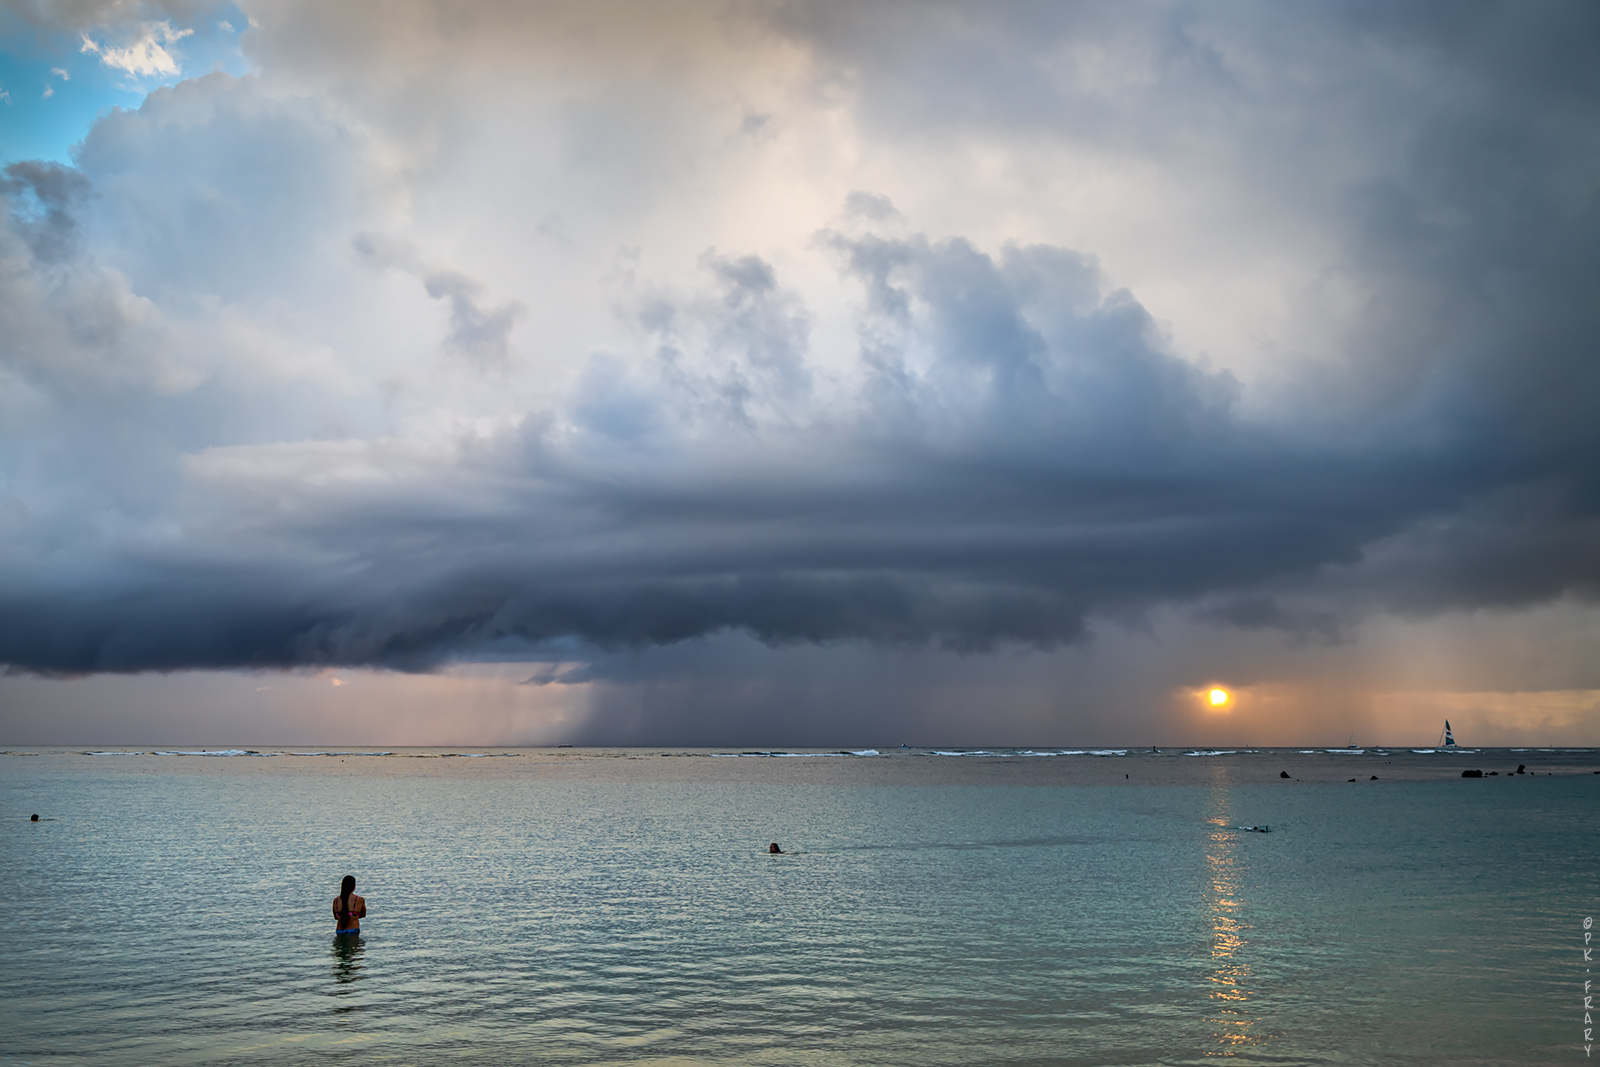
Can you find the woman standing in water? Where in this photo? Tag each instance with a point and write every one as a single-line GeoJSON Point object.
{"type": "Point", "coordinates": [348, 909]}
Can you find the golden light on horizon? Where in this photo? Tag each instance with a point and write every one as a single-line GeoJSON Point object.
{"type": "Point", "coordinates": [1219, 698]}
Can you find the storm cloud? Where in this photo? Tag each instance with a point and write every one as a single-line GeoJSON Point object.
{"type": "Point", "coordinates": [1002, 324]}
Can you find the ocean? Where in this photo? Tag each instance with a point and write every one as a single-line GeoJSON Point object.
{"type": "Point", "coordinates": [931, 907]}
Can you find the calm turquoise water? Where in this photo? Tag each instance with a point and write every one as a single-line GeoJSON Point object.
{"type": "Point", "coordinates": [177, 910]}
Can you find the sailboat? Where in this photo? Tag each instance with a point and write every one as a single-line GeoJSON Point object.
{"type": "Point", "coordinates": [1448, 740]}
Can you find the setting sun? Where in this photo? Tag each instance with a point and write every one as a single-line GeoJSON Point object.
{"type": "Point", "coordinates": [1218, 697]}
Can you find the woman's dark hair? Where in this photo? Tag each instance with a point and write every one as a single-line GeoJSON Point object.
{"type": "Point", "coordinates": [346, 887]}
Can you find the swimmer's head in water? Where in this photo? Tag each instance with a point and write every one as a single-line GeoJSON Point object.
{"type": "Point", "coordinates": [346, 887]}
{"type": "Point", "coordinates": [774, 848]}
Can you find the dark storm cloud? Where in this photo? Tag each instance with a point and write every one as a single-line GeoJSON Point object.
{"type": "Point", "coordinates": [41, 196]}
{"type": "Point", "coordinates": [1021, 451]}
{"type": "Point", "coordinates": [1469, 215]}
{"type": "Point", "coordinates": [1031, 457]}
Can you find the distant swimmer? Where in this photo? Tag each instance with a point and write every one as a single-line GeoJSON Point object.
{"type": "Point", "coordinates": [34, 819]}
{"type": "Point", "coordinates": [774, 849]}
{"type": "Point", "coordinates": [348, 909]}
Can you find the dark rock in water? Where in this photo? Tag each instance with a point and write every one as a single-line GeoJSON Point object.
{"type": "Point", "coordinates": [1374, 778]}
{"type": "Point", "coordinates": [1285, 774]}
{"type": "Point", "coordinates": [1472, 774]}
{"type": "Point", "coordinates": [1522, 768]}
{"type": "Point", "coordinates": [1494, 774]}
{"type": "Point", "coordinates": [1352, 779]}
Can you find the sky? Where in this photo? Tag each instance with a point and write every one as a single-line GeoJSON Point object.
{"type": "Point", "coordinates": [787, 374]}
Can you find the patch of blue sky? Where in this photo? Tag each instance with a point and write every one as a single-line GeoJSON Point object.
{"type": "Point", "coordinates": [55, 84]}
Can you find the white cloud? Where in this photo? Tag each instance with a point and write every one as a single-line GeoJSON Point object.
{"type": "Point", "coordinates": [146, 56]}
{"type": "Point", "coordinates": [63, 75]}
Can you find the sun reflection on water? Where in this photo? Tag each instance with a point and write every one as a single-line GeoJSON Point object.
{"type": "Point", "coordinates": [1235, 1026]}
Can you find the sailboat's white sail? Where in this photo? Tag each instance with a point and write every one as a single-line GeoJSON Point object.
{"type": "Point", "coordinates": [1449, 738]}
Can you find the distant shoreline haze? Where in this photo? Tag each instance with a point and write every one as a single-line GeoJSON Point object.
{"type": "Point", "coordinates": [1049, 765]}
